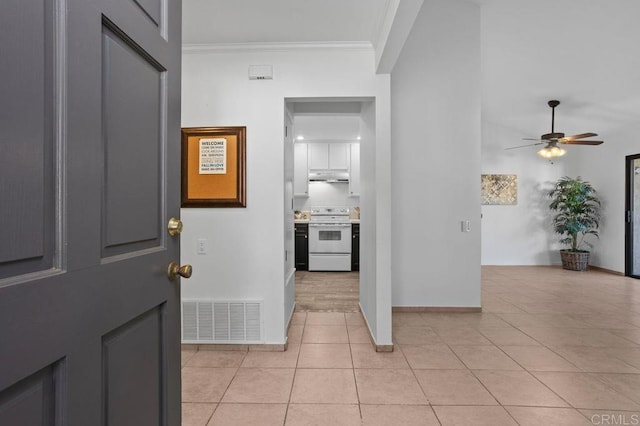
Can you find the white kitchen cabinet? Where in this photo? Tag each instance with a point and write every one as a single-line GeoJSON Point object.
{"type": "Point", "coordinates": [300, 169]}
{"type": "Point", "coordinates": [328, 156]}
{"type": "Point", "coordinates": [318, 156]}
{"type": "Point", "coordinates": [338, 156]}
{"type": "Point", "coordinates": [354, 170]}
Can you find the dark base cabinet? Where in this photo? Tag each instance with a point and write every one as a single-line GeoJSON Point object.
{"type": "Point", "coordinates": [355, 247]}
{"type": "Point", "coordinates": [302, 246]}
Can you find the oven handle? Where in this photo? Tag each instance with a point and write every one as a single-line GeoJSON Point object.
{"type": "Point", "coordinates": [318, 225]}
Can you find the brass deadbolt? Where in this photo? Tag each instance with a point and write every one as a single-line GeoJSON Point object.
{"type": "Point", "coordinates": [174, 227]}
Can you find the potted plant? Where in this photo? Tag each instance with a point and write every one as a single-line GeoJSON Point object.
{"type": "Point", "coordinates": [577, 214]}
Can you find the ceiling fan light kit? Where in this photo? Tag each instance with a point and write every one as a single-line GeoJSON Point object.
{"type": "Point", "coordinates": [552, 152]}
{"type": "Point", "coordinates": [551, 140]}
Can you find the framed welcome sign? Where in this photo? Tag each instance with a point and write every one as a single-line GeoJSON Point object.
{"type": "Point", "coordinates": [214, 167]}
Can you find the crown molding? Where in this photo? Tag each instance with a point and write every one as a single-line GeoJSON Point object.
{"type": "Point", "coordinates": [275, 47]}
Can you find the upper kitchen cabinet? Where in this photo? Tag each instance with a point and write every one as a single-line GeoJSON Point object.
{"type": "Point", "coordinates": [329, 156]}
{"type": "Point", "coordinates": [300, 170]}
{"type": "Point", "coordinates": [354, 170]}
{"type": "Point", "coordinates": [338, 156]}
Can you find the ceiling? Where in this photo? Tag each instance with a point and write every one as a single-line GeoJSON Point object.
{"type": "Point", "coordinates": [528, 55]}
{"type": "Point", "coordinates": [282, 21]}
{"type": "Point", "coordinates": [256, 22]}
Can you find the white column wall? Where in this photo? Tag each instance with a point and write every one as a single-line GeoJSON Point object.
{"type": "Point", "coordinates": [435, 158]}
{"type": "Point", "coordinates": [375, 220]}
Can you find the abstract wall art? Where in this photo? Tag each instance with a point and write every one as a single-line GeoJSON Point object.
{"type": "Point", "coordinates": [499, 190]}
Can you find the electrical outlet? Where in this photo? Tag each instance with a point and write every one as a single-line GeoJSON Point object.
{"type": "Point", "coordinates": [202, 246]}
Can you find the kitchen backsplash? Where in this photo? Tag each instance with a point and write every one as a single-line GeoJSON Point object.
{"type": "Point", "coordinates": [326, 194]}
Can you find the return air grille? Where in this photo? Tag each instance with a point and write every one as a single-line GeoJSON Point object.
{"type": "Point", "coordinates": [208, 321]}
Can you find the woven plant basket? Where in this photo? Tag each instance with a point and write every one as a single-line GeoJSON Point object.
{"type": "Point", "coordinates": [574, 260]}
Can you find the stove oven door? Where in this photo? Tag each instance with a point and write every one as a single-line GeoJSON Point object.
{"type": "Point", "coordinates": [329, 238]}
{"type": "Point", "coordinates": [330, 247]}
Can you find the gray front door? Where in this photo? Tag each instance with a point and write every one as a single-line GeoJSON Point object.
{"type": "Point", "coordinates": [89, 175]}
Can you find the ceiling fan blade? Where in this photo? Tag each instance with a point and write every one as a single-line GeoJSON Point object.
{"type": "Point", "coordinates": [580, 136]}
{"type": "Point", "coordinates": [532, 139]}
{"type": "Point", "coordinates": [570, 142]}
{"type": "Point", "coordinates": [524, 146]}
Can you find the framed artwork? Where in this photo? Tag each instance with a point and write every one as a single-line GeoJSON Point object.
{"type": "Point", "coordinates": [499, 190]}
{"type": "Point", "coordinates": [214, 167]}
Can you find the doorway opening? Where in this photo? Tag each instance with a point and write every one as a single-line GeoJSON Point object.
{"type": "Point", "coordinates": [632, 232]}
{"type": "Point", "coordinates": [327, 291]}
{"type": "Point", "coordinates": [324, 136]}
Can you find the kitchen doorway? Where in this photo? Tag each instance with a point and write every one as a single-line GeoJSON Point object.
{"type": "Point", "coordinates": [326, 136]}
{"type": "Point", "coordinates": [632, 233]}
{"type": "Point", "coordinates": [327, 291]}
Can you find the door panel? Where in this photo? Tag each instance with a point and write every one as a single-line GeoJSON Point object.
{"type": "Point", "coordinates": [88, 141]}
{"type": "Point", "coordinates": [31, 401]}
{"type": "Point", "coordinates": [132, 356]}
{"type": "Point", "coordinates": [151, 8]}
{"type": "Point", "coordinates": [26, 175]}
{"type": "Point", "coordinates": [132, 91]}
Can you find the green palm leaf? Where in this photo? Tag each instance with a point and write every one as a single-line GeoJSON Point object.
{"type": "Point", "coordinates": [577, 211]}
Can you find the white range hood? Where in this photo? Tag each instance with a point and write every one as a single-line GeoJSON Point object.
{"type": "Point", "coordinates": [329, 176]}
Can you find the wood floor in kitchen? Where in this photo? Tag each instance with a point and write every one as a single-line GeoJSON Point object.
{"type": "Point", "coordinates": [327, 291]}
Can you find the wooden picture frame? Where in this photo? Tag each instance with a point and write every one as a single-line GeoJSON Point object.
{"type": "Point", "coordinates": [213, 167]}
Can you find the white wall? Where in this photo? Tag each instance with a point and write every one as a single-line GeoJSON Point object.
{"type": "Point", "coordinates": [246, 251]}
{"type": "Point", "coordinates": [605, 169]}
{"type": "Point", "coordinates": [520, 234]}
{"type": "Point", "coordinates": [529, 58]}
{"type": "Point", "coordinates": [375, 220]}
{"type": "Point", "coordinates": [435, 159]}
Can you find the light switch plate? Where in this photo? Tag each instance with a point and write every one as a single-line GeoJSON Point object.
{"type": "Point", "coordinates": [202, 246]}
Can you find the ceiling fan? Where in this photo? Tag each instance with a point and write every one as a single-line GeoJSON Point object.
{"type": "Point", "coordinates": [554, 138]}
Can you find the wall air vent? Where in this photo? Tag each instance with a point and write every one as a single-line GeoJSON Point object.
{"type": "Point", "coordinates": [213, 321]}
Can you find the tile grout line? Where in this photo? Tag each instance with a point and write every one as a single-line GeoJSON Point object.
{"type": "Point", "coordinates": [525, 370]}
{"type": "Point", "coordinates": [295, 370]}
{"type": "Point", "coordinates": [426, 397]}
{"type": "Point", "coordinates": [353, 372]}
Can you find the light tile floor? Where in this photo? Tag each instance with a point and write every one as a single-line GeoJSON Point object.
{"type": "Point", "coordinates": [551, 347]}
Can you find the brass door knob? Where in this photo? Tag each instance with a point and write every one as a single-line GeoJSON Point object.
{"type": "Point", "coordinates": [174, 227]}
{"type": "Point", "coordinates": [174, 270]}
